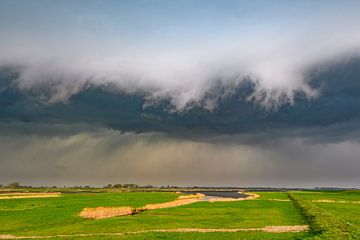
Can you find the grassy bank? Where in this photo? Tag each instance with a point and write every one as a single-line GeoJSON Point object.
{"type": "Point", "coordinates": [323, 224]}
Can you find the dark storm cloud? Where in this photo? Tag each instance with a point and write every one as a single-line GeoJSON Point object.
{"type": "Point", "coordinates": [337, 105]}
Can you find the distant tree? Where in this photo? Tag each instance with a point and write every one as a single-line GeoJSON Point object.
{"type": "Point", "coordinates": [108, 186]}
{"type": "Point", "coordinates": [14, 185]}
{"type": "Point", "coordinates": [118, 185]}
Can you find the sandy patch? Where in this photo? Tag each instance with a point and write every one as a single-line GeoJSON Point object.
{"type": "Point", "coordinates": [106, 212]}
{"type": "Point", "coordinates": [176, 203]}
{"type": "Point", "coordinates": [269, 229]}
{"type": "Point", "coordinates": [29, 195]}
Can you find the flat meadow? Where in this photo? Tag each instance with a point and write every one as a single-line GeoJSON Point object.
{"type": "Point", "coordinates": [57, 217]}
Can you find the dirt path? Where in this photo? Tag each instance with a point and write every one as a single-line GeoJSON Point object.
{"type": "Point", "coordinates": [268, 229]}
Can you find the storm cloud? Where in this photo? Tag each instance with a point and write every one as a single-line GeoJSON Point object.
{"type": "Point", "coordinates": [235, 113]}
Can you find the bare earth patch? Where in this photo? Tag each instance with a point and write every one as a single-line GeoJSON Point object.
{"type": "Point", "coordinates": [269, 229]}
{"type": "Point", "coordinates": [106, 212]}
{"type": "Point", "coordinates": [30, 195]}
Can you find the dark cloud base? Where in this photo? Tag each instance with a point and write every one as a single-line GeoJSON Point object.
{"type": "Point", "coordinates": [339, 102]}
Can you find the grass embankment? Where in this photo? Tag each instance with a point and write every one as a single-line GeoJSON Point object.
{"type": "Point", "coordinates": [323, 224]}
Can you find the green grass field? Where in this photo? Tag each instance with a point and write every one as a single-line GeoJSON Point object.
{"type": "Point", "coordinates": [59, 216]}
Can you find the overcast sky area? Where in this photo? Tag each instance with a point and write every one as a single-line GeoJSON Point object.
{"type": "Point", "coordinates": [206, 93]}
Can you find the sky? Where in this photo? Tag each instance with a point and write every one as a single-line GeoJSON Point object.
{"type": "Point", "coordinates": [207, 93]}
